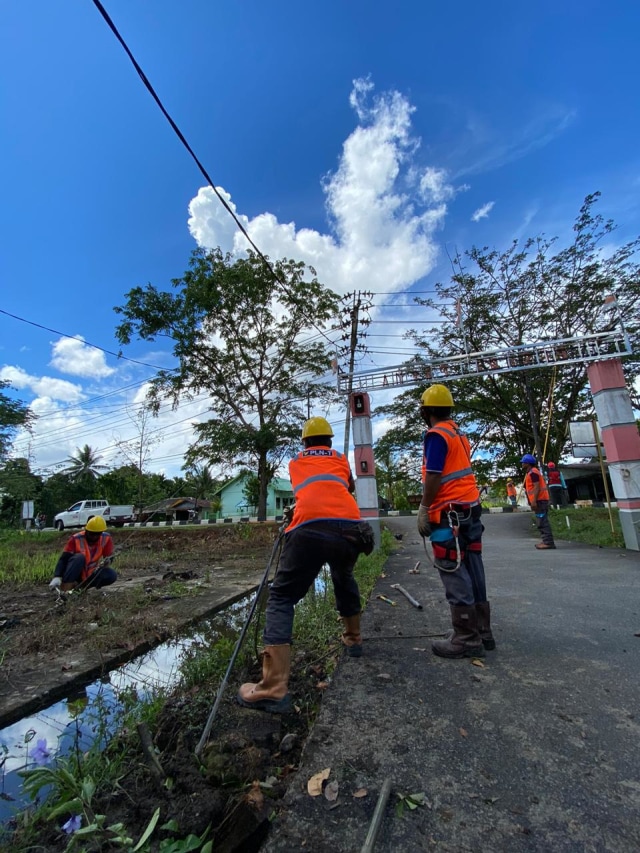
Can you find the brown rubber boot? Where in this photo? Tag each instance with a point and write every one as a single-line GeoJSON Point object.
{"type": "Point", "coordinates": [465, 641]}
{"type": "Point", "coordinates": [270, 694]}
{"type": "Point", "coordinates": [483, 620]}
{"type": "Point", "coordinates": [351, 636]}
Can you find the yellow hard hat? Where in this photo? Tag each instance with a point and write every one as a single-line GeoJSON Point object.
{"type": "Point", "coordinates": [437, 395]}
{"type": "Point", "coordinates": [316, 426]}
{"type": "Point", "coordinates": [97, 524]}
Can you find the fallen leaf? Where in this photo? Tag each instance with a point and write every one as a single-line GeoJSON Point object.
{"type": "Point", "coordinates": [66, 667]}
{"type": "Point", "coordinates": [314, 785]}
{"type": "Point", "coordinates": [322, 685]}
{"type": "Point", "coordinates": [464, 732]}
{"type": "Point", "coordinates": [477, 662]}
{"type": "Point", "coordinates": [331, 790]}
{"type": "Point", "coordinates": [361, 792]}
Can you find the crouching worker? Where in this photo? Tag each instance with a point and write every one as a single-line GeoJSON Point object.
{"type": "Point", "coordinates": [86, 559]}
{"type": "Point", "coordinates": [325, 528]}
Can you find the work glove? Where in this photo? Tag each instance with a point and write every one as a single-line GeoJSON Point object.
{"type": "Point", "coordinates": [424, 525]}
{"type": "Point", "coordinates": [55, 583]}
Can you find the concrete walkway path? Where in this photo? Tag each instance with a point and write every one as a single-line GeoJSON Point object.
{"type": "Point", "coordinates": [536, 750]}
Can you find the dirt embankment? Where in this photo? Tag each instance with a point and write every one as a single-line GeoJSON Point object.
{"type": "Point", "coordinates": [167, 578]}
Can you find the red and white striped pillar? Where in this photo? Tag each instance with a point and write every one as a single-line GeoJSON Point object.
{"type": "Point", "coordinates": [365, 469]}
{"type": "Point", "coordinates": [621, 441]}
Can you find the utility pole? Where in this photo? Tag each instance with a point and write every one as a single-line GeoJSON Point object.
{"type": "Point", "coordinates": [359, 301]}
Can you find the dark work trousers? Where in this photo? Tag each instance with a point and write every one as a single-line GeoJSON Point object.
{"type": "Point", "coordinates": [543, 524]}
{"type": "Point", "coordinates": [557, 496]}
{"type": "Point", "coordinates": [306, 550]}
{"type": "Point", "coordinates": [465, 585]}
{"type": "Point", "coordinates": [100, 577]}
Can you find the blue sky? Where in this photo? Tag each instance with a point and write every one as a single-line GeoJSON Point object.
{"type": "Point", "coordinates": [360, 137]}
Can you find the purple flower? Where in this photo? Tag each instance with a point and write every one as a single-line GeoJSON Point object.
{"type": "Point", "coordinates": [73, 824]}
{"type": "Point", "coordinates": [41, 754]}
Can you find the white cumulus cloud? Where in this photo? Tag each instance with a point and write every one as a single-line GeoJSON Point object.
{"type": "Point", "coordinates": [383, 207]}
{"type": "Point", "coordinates": [42, 386]}
{"type": "Point", "coordinates": [482, 212]}
{"type": "Point", "coordinates": [73, 356]}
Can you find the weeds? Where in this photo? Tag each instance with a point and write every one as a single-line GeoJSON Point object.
{"type": "Point", "coordinates": [590, 525]}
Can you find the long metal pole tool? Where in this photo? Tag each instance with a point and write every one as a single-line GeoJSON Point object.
{"type": "Point", "coordinates": [207, 729]}
{"type": "Point", "coordinates": [376, 820]}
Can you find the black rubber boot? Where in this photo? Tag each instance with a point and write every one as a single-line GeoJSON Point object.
{"type": "Point", "coordinates": [483, 620]}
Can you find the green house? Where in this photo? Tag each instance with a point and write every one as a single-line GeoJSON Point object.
{"type": "Point", "coordinates": [233, 501]}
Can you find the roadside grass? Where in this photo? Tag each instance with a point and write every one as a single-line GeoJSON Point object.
{"type": "Point", "coordinates": [590, 525]}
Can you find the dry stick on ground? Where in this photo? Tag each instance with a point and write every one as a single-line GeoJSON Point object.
{"type": "Point", "coordinates": [153, 762]}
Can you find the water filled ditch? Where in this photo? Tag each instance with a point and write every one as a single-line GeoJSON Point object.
{"type": "Point", "coordinates": [94, 711]}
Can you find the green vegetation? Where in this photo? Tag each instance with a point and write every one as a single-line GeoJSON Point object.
{"type": "Point", "coordinates": [73, 794]}
{"type": "Point", "coordinates": [590, 525]}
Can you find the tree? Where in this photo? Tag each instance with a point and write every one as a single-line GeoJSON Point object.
{"type": "Point", "coordinates": [522, 295]}
{"type": "Point", "coordinates": [13, 415]}
{"type": "Point", "coordinates": [244, 338]}
{"type": "Point", "coordinates": [136, 451]}
{"type": "Point", "coordinates": [84, 467]}
{"type": "Point", "coordinates": [17, 484]}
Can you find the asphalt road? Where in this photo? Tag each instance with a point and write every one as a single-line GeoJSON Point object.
{"type": "Point", "coordinates": [537, 750]}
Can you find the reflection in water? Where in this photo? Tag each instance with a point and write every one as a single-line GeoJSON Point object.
{"type": "Point", "coordinates": [93, 711]}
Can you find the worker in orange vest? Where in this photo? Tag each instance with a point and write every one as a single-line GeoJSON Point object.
{"type": "Point", "coordinates": [86, 559]}
{"type": "Point", "coordinates": [449, 514]}
{"type": "Point", "coordinates": [512, 493]}
{"type": "Point", "coordinates": [538, 497]}
{"type": "Point", "coordinates": [325, 527]}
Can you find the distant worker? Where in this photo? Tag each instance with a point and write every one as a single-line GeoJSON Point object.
{"type": "Point", "coordinates": [449, 515]}
{"type": "Point", "coordinates": [86, 559]}
{"type": "Point", "coordinates": [324, 527]}
{"type": "Point", "coordinates": [538, 497]}
{"type": "Point", "coordinates": [556, 486]}
{"type": "Point", "coordinates": [512, 492]}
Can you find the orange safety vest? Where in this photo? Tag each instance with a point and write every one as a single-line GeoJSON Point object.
{"type": "Point", "coordinates": [458, 484]}
{"type": "Point", "coordinates": [320, 480]}
{"type": "Point", "coordinates": [511, 490]}
{"type": "Point", "coordinates": [91, 556]}
{"type": "Point", "coordinates": [543, 494]}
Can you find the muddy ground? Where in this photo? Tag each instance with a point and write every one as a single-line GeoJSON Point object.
{"type": "Point", "coordinates": [167, 578]}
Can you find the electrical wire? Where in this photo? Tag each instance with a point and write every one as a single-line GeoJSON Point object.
{"type": "Point", "coordinates": [183, 140]}
{"type": "Point", "coordinates": [86, 343]}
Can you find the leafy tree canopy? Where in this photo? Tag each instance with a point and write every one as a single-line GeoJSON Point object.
{"type": "Point", "coordinates": [531, 292]}
{"type": "Point", "coordinates": [248, 342]}
{"type": "Point", "coordinates": [13, 415]}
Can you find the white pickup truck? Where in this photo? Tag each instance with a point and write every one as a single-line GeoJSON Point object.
{"type": "Point", "coordinates": [80, 513]}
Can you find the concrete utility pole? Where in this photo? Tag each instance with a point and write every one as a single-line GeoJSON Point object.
{"type": "Point", "coordinates": [360, 301]}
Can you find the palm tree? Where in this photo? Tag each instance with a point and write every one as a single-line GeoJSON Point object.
{"type": "Point", "coordinates": [85, 464]}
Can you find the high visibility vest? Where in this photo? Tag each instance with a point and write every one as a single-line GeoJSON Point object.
{"type": "Point", "coordinates": [91, 556]}
{"type": "Point", "coordinates": [543, 494]}
{"type": "Point", "coordinates": [458, 484]}
{"type": "Point", "coordinates": [511, 490]}
{"type": "Point", "coordinates": [320, 480]}
{"type": "Point", "coordinates": [553, 477]}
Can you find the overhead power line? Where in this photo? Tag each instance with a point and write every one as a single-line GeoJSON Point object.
{"type": "Point", "coordinates": [196, 160]}
{"type": "Point", "coordinates": [86, 343]}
